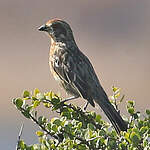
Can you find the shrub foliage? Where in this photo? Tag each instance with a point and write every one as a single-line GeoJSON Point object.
{"type": "Point", "coordinates": [76, 129]}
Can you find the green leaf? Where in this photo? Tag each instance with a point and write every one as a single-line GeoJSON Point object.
{"type": "Point", "coordinates": [140, 123]}
{"type": "Point", "coordinates": [136, 115]}
{"type": "Point", "coordinates": [34, 147]}
{"type": "Point", "coordinates": [47, 105]}
{"type": "Point", "coordinates": [54, 128]}
{"type": "Point", "coordinates": [131, 103]}
{"type": "Point", "coordinates": [39, 133]}
{"type": "Point", "coordinates": [114, 88]}
{"type": "Point", "coordinates": [36, 91]}
{"type": "Point", "coordinates": [26, 113]}
{"type": "Point", "coordinates": [51, 95]}
{"type": "Point", "coordinates": [122, 146]}
{"type": "Point", "coordinates": [143, 129]}
{"type": "Point", "coordinates": [135, 138]}
{"type": "Point", "coordinates": [126, 135]}
{"type": "Point", "coordinates": [117, 95]}
{"type": "Point", "coordinates": [148, 112]}
{"type": "Point", "coordinates": [36, 103]}
{"type": "Point", "coordinates": [57, 122]}
{"type": "Point", "coordinates": [53, 146]}
{"type": "Point", "coordinates": [19, 102]}
{"type": "Point", "coordinates": [93, 114]}
{"type": "Point", "coordinates": [26, 94]}
{"type": "Point", "coordinates": [34, 98]}
{"type": "Point", "coordinates": [67, 128]}
{"type": "Point", "coordinates": [49, 126]}
{"type": "Point", "coordinates": [55, 101]}
{"type": "Point", "coordinates": [40, 96]}
{"type": "Point", "coordinates": [29, 108]}
{"type": "Point", "coordinates": [82, 147]}
{"type": "Point", "coordinates": [42, 120]}
{"type": "Point", "coordinates": [131, 110]}
{"type": "Point", "coordinates": [91, 126]}
{"type": "Point", "coordinates": [53, 119]}
{"type": "Point", "coordinates": [98, 118]}
{"type": "Point", "coordinates": [79, 125]}
{"type": "Point", "coordinates": [136, 130]}
{"type": "Point", "coordinates": [21, 145]}
{"type": "Point", "coordinates": [66, 114]}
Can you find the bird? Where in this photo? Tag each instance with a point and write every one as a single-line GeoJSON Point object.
{"type": "Point", "coordinates": [74, 71]}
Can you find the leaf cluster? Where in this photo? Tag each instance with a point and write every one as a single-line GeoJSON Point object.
{"type": "Point", "coordinates": [76, 129]}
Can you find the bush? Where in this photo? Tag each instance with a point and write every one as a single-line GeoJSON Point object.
{"type": "Point", "coordinates": [76, 129]}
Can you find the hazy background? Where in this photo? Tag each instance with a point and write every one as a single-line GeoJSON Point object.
{"type": "Point", "coordinates": [114, 34]}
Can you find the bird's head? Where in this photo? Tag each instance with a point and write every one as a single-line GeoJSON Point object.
{"type": "Point", "coordinates": [58, 30]}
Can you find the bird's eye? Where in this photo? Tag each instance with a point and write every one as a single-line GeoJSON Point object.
{"type": "Point", "coordinates": [59, 29]}
{"type": "Point", "coordinates": [56, 26]}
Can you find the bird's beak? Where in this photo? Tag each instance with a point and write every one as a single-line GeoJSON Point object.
{"type": "Point", "coordinates": [43, 28]}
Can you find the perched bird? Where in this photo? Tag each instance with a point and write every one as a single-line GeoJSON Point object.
{"type": "Point", "coordinates": [73, 70]}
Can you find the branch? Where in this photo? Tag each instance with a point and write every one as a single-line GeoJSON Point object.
{"type": "Point", "coordinates": [19, 137]}
{"type": "Point", "coordinates": [42, 127]}
{"type": "Point", "coordinates": [52, 135]}
{"type": "Point", "coordinates": [91, 147]}
{"type": "Point", "coordinates": [78, 110]}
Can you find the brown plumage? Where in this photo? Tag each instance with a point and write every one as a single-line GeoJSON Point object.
{"type": "Point", "coordinates": [73, 70]}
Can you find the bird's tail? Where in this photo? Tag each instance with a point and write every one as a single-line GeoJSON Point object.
{"type": "Point", "coordinates": [114, 116]}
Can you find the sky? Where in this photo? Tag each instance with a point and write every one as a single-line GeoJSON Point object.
{"type": "Point", "coordinates": [114, 34]}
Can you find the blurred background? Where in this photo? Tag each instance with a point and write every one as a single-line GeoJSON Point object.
{"type": "Point", "coordinates": [114, 34]}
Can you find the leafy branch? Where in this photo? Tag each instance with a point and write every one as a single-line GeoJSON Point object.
{"type": "Point", "coordinates": [79, 130]}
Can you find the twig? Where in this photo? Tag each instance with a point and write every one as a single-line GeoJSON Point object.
{"type": "Point", "coordinates": [84, 116]}
{"type": "Point", "coordinates": [94, 138]}
{"type": "Point", "coordinates": [91, 120]}
{"type": "Point", "coordinates": [54, 136]}
{"type": "Point", "coordinates": [43, 128]}
{"type": "Point", "coordinates": [81, 139]}
{"type": "Point", "coordinates": [115, 102]}
{"type": "Point", "coordinates": [19, 137]}
{"type": "Point", "coordinates": [98, 126]}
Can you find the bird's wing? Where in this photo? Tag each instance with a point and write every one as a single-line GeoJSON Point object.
{"type": "Point", "coordinates": [77, 71]}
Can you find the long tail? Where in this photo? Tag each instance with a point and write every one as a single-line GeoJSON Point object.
{"type": "Point", "coordinates": [114, 117]}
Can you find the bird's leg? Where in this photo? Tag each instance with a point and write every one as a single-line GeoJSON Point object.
{"type": "Point", "coordinates": [85, 106]}
{"type": "Point", "coordinates": [68, 99]}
